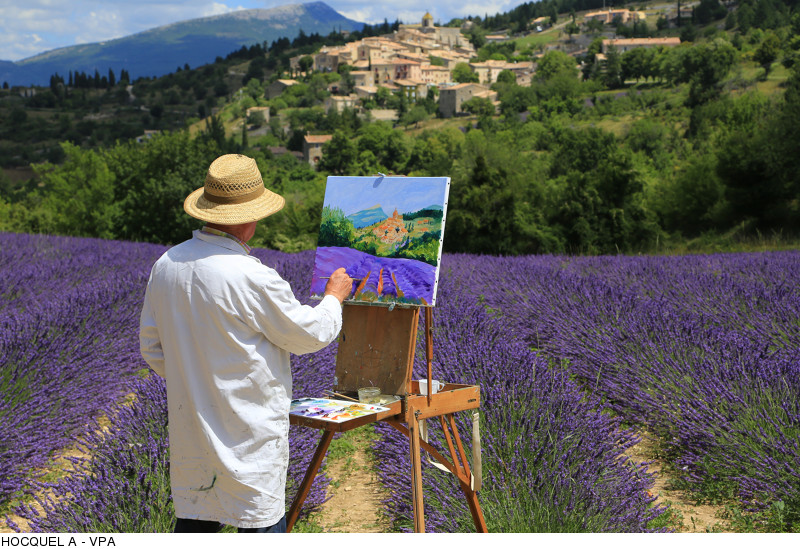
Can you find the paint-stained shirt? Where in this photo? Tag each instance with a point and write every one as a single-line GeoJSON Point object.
{"type": "Point", "coordinates": [219, 325]}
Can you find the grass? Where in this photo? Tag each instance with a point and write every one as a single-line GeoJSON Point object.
{"type": "Point", "coordinates": [539, 39]}
{"type": "Point", "coordinates": [438, 124]}
{"type": "Point", "coordinates": [731, 242]}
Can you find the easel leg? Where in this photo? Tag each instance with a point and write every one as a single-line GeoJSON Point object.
{"type": "Point", "coordinates": [311, 473]}
{"type": "Point", "coordinates": [469, 493]}
{"type": "Point", "coordinates": [416, 474]}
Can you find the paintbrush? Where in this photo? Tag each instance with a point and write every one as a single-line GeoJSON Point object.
{"type": "Point", "coordinates": [327, 277]}
{"type": "Point", "coordinates": [341, 395]}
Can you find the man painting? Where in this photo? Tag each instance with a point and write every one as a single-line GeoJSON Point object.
{"type": "Point", "coordinates": [219, 326]}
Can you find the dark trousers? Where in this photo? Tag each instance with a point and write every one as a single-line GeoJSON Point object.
{"type": "Point", "coordinates": [194, 526]}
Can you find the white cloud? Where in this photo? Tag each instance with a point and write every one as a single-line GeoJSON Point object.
{"type": "Point", "coordinates": [413, 10]}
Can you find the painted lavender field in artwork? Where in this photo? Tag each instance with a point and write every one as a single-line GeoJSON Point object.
{"type": "Point", "coordinates": [377, 278]}
{"type": "Point", "coordinates": [387, 234]}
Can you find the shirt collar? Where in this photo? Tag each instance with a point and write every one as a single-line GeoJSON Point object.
{"type": "Point", "coordinates": [243, 244]}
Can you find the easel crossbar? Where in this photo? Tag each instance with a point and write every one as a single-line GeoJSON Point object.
{"type": "Point", "coordinates": [432, 451]}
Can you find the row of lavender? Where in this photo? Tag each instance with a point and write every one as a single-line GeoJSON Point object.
{"type": "Point", "coordinates": [704, 351]}
{"type": "Point", "coordinates": [68, 356]}
{"type": "Point", "coordinates": [552, 460]}
{"type": "Point", "coordinates": [67, 309]}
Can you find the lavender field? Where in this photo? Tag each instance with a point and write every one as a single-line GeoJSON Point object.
{"type": "Point", "coordinates": [573, 356]}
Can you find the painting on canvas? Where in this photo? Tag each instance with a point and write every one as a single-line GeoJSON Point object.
{"type": "Point", "coordinates": [387, 233]}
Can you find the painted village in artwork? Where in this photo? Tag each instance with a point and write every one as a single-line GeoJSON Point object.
{"type": "Point", "coordinates": [387, 233]}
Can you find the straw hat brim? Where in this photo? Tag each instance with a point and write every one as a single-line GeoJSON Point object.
{"type": "Point", "coordinates": [260, 207]}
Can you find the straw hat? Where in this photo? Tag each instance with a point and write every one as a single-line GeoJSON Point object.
{"type": "Point", "coordinates": [234, 193]}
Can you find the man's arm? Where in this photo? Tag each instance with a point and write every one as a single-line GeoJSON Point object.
{"type": "Point", "coordinates": [149, 340]}
{"type": "Point", "coordinates": [300, 328]}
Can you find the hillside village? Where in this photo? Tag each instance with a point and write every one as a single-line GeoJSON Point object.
{"type": "Point", "coordinates": [418, 59]}
{"type": "Point", "coordinates": [549, 122]}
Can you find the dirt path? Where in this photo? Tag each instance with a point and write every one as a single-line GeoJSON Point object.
{"type": "Point", "coordinates": [62, 465]}
{"type": "Point", "coordinates": [686, 515]}
{"type": "Point", "coordinates": [356, 493]}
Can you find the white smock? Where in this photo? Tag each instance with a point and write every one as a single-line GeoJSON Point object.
{"type": "Point", "coordinates": [219, 326]}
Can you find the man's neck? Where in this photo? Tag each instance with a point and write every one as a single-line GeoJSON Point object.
{"type": "Point", "coordinates": [234, 230]}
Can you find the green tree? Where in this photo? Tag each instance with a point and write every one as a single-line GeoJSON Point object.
{"type": "Point", "coordinates": [339, 154]}
{"type": "Point", "coordinates": [708, 11]}
{"type": "Point", "coordinates": [462, 73]}
{"type": "Point", "coordinates": [634, 64]}
{"type": "Point", "coordinates": [594, 26]}
{"type": "Point", "coordinates": [506, 77]}
{"type": "Point", "coordinates": [703, 66]}
{"type": "Point", "coordinates": [481, 218]}
{"type": "Point", "coordinates": [81, 193]}
{"type": "Point", "coordinates": [254, 89]}
{"type": "Point", "coordinates": [766, 54]}
{"type": "Point", "coordinates": [389, 146]}
{"type": "Point", "coordinates": [479, 106]}
{"type": "Point", "coordinates": [759, 167]}
{"type": "Point", "coordinates": [335, 229]}
{"type": "Point", "coordinates": [572, 28]}
{"type": "Point", "coordinates": [305, 63]}
{"type": "Point", "coordinates": [414, 115]}
{"type": "Point", "coordinates": [694, 201]}
{"type": "Point", "coordinates": [556, 62]}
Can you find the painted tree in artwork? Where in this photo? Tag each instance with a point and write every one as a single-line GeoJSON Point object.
{"type": "Point", "coordinates": [335, 229]}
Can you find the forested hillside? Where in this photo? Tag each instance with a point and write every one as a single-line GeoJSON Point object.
{"type": "Point", "coordinates": [692, 147]}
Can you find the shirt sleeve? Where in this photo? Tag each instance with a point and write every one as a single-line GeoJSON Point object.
{"type": "Point", "coordinates": [289, 324]}
{"type": "Point", "coordinates": [149, 339]}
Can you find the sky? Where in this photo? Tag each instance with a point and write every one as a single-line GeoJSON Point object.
{"type": "Point", "coordinates": [30, 27]}
{"type": "Point", "coordinates": [406, 194]}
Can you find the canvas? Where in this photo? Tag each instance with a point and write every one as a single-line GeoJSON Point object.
{"type": "Point", "coordinates": [387, 233]}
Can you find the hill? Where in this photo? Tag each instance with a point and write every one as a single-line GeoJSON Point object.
{"type": "Point", "coordinates": [365, 218]}
{"type": "Point", "coordinates": [159, 51]}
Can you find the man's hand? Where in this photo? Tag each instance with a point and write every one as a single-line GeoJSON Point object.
{"type": "Point", "coordinates": [339, 285]}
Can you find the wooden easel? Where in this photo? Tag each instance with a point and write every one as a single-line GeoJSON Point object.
{"type": "Point", "coordinates": [376, 347]}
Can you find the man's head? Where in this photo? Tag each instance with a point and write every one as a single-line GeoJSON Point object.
{"type": "Point", "coordinates": [233, 194]}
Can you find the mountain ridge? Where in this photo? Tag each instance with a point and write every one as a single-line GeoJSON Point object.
{"type": "Point", "coordinates": [365, 218]}
{"type": "Point", "coordinates": [196, 42]}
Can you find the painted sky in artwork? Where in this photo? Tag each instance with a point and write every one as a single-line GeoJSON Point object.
{"type": "Point", "coordinates": [406, 194]}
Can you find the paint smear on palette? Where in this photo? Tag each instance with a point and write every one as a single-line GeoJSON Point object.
{"type": "Point", "coordinates": [336, 411]}
{"type": "Point", "coordinates": [387, 233]}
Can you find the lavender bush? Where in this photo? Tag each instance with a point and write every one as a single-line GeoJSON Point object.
{"type": "Point", "coordinates": [68, 311]}
{"type": "Point", "coordinates": [68, 352]}
{"type": "Point", "coordinates": [122, 483]}
{"type": "Point", "coordinates": [553, 462]}
{"type": "Point", "coordinates": [704, 351]}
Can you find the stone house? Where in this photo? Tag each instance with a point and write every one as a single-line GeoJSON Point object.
{"type": "Point", "coordinates": [263, 110]}
{"type": "Point", "coordinates": [396, 69]}
{"type": "Point", "coordinates": [452, 97]}
{"type": "Point", "coordinates": [362, 78]}
{"type": "Point", "coordinates": [341, 102]}
{"type": "Point", "coordinates": [435, 74]}
{"type": "Point", "coordinates": [609, 15]}
{"type": "Point", "coordinates": [365, 92]}
{"type": "Point", "coordinates": [488, 71]}
{"type": "Point", "coordinates": [413, 89]}
{"type": "Point", "coordinates": [312, 148]}
{"type": "Point", "coordinates": [277, 87]}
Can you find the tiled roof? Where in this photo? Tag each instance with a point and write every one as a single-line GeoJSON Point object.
{"type": "Point", "coordinates": [318, 138]}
